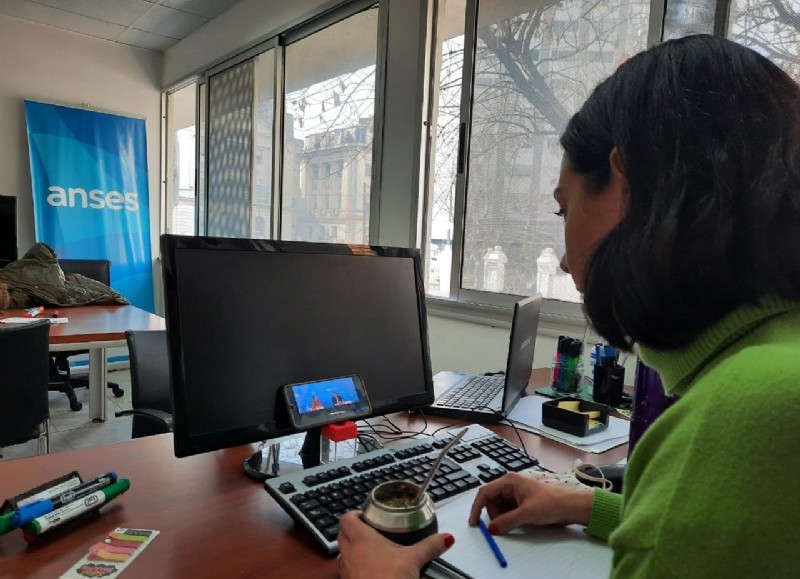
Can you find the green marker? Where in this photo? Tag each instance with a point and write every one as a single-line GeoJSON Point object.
{"type": "Point", "coordinates": [77, 508]}
{"type": "Point", "coordinates": [5, 522]}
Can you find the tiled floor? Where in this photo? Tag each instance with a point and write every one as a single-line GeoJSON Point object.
{"type": "Point", "coordinates": [70, 429]}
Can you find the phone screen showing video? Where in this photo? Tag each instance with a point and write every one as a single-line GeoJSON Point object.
{"type": "Point", "coordinates": [325, 395]}
{"type": "Point", "coordinates": [321, 402]}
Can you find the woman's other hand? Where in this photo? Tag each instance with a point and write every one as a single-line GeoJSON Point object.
{"type": "Point", "coordinates": [516, 500]}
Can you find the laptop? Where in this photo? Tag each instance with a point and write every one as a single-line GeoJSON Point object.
{"type": "Point", "coordinates": [487, 399]}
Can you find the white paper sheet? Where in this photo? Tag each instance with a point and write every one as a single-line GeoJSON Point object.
{"type": "Point", "coordinates": [30, 320]}
{"type": "Point", "coordinates": [564, 552]}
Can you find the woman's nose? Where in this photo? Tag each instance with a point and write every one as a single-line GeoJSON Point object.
{"type": "Point", "coordinates": [564, 264]}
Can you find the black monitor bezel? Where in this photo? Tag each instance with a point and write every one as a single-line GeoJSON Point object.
{"type": "Point", "coordinates": [186, 444]}
{"type": "Point", "coordinates": [9, 245]}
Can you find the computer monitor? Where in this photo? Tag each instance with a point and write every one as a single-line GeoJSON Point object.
{"type": "Point", "coordinates": [8, 229]}
{"type": "Point", "coordinates": [247, 317]}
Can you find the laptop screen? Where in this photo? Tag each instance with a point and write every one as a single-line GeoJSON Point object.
{"type": "Point", "coordinates": [522, 342]}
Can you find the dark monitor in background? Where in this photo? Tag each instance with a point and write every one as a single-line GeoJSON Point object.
{"type": "Point", "coordinates": [247, 317]}
{"type": "Point", "coordinates": [8, 229]}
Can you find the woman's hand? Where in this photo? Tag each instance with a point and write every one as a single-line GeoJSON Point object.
{"type": "Point", "coordinates": [363, 552]}
{"type": "Point", "coordinates": [516, 500]}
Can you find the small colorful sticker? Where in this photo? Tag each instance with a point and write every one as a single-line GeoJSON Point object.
{"type": "Point", "coordinates": [110, 556]}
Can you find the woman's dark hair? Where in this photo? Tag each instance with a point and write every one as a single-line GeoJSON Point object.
{"type": "Point", "coordinates": [709, 136]}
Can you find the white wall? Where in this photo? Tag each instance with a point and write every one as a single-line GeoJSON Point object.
{"type": "Point", "coordinates": [50, 65]}
{"type": "Point", "coordinates": [470, 347]}
{"type": "Point", "coordinates": [477, 348]}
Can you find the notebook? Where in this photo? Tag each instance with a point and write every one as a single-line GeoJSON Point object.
{"type": "Point", "coordinates": [487, 399]}
{"type": "Point", "coordinates": [564, 552]}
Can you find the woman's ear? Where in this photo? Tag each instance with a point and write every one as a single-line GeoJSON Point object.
{"type": "Point", "coordinates": [616, 162]}
{"type": "Point", "coordinates": [618, 182]}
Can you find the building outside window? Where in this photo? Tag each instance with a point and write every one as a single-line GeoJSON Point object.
{"type": "Point", "coordinates": [330, 109]}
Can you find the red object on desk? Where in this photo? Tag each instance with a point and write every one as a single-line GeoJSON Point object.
{"type": "Point", "coordinates": [339, 431]}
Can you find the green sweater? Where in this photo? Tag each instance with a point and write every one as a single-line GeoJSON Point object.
{"type": "Point", "coordinates": [713, 487]}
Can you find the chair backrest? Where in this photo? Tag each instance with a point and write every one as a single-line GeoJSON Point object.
{"type": "Point", "coordinates": [96, 269]}
{"type": "Point", "coordinates": [24, 371]}
{"type": "Point", "coordinates": [150, 385]}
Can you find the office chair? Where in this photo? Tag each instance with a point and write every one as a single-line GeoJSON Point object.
{"type": "Point", "coordinates": [24, 409]}
{"type": "Point", "coordinates": [61, 379]}
{"type": "Point", "coordinates": [151, 395]}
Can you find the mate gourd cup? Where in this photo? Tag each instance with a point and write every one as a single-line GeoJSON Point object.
{"type": "Point", "coordinates": [393, 509]}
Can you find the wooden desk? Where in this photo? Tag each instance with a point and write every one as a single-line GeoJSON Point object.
{"type": "Point", "coordinates": [214, 521]}
{"type": "Point", "coordinates": [95, 328]}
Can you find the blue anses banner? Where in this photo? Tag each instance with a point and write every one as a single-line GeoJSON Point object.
{"type": "Point", "coordinates": [90, 194]}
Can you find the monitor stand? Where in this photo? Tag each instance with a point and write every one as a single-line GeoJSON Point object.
{"type": "Point", "coordinates": [286, 456]}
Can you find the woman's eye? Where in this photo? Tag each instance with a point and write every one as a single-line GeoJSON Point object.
{"type": "Point", "coordinates": [561, 213]}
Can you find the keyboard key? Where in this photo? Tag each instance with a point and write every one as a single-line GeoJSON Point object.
{"type": "Point", "coordinates": [515, 465]}
{"type": "Point", "coordinates": [454, 476]}
{"type": "Point", "coordinates": [287, 488]}
{"type": "Point", "coordinates": [331, 532]}
{"type": "Point", "coordinates": [309, 505]}
{"type": "Point", "coordinates": [315, 514]}
{"type": "Point", "coordinates": [326, 521]}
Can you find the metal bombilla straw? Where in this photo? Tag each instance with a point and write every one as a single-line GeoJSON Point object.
{"type": "Point", "coordinates": [437, 463]}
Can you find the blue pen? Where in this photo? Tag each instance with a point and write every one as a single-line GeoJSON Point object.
{"type": "Point", "coordinates": [492, 543]}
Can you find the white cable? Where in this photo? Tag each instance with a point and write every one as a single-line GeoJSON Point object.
{"type": "Point", "coordinates": [579, 471]}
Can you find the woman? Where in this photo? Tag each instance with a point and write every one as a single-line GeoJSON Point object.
{"type": "Point", "coordinates": [680, 190]}
{"type": "Point", "coordinates": [316, 403]}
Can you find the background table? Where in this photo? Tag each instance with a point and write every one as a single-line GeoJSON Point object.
{"type": "Point", "coordinates": [95, 328]}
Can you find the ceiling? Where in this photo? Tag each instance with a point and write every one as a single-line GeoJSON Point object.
{"type": "Point", "coordinates": [150, 24]}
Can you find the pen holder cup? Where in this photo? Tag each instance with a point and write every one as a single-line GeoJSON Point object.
{"type": "Point", "coordinates": [566, 375]}
{"type": "Point", "coordinates": [394, 511]}
{"type": "Point", "coordinates": [608, 383]}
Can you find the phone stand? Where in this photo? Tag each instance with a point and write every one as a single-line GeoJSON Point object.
{"type": "Point", "coordinates": [338, 441]}
{"type": "Point", "coordinates": [285, 457]}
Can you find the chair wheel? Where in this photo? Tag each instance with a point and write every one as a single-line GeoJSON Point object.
{"type": "Point", "coordinates": [75, 405]}
{"type": "Point", "coordinates": [118, 392]}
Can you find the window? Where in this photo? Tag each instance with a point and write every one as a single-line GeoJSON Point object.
{"type": "Point", "coordinates": [181, 193]}
{"type": "Point", "coordinates": [771, 27]}
{"type": "Point", "coordinates": [329, 112]}
{"type": "Point", "coordinates": [496, 155]}
{"type": "Point", "coordinates": [320, 79]}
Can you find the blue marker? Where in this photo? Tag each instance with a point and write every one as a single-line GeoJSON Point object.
{"type": "Point", "coordinates": [492, 543]}
{"type": "Point", "coordinates": [42, 507]}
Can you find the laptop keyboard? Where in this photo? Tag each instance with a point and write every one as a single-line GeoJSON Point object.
{"type": "Point", "coordinates": [318, 496]}
{"type": "Point", "coordinates": [476, 392]}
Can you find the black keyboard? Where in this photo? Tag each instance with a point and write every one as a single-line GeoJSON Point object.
{"type": "Point", "coordinates": [318, 496]}
{"type": "Point", "coordinates": [476, 392]}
